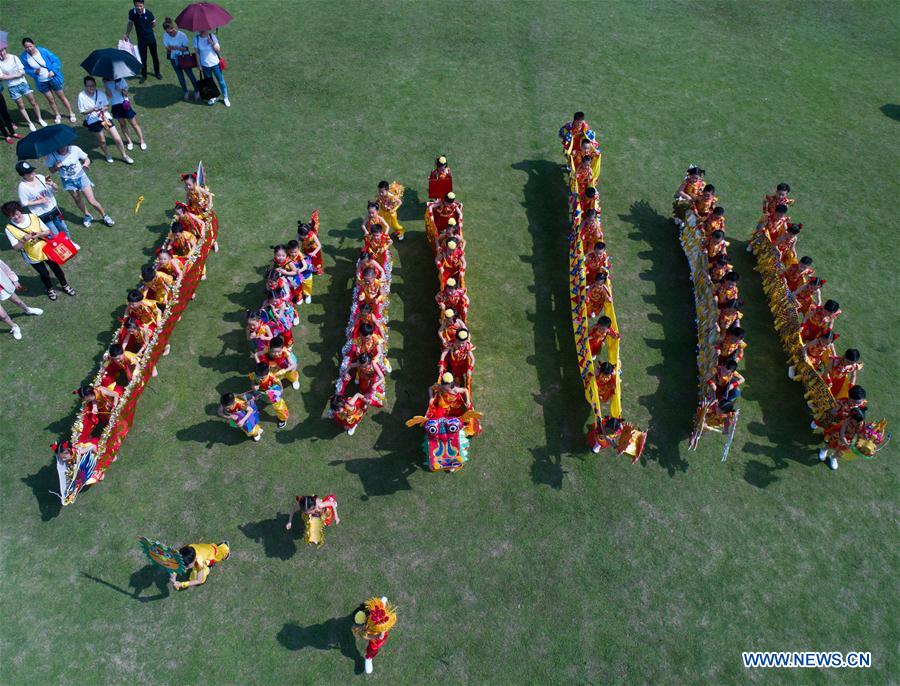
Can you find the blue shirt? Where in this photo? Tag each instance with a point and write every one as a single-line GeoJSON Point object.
{"type": "Point", "coordinates": [143, 25]}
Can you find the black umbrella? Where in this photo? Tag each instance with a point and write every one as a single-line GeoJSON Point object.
{"type": "Point", "coordinates": [111, 64]}
{"type": "Point", "coordinates": [44, 141]}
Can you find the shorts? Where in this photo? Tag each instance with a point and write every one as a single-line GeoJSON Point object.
{"type": "Point", "coordinates": [20, 90]}
{"type": "Point", "coordinates": [96, 127]}
{"type": "Point", "coordinates": [119, 112]}
{"type": "Point", "coordinates": [54, 84]}
{"type": "Point", "coordinates": [79, 183]}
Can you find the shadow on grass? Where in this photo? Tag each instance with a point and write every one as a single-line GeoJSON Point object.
{"type": "Point", "coordinates": [412, 208]}
{"type": "Point", "coordinates": [277, 542]}
{"type": "Point", "coordinates": [213, 431]}
{"type": "Point", "coordinates": [671, 406]}
{"type": "Point", "coordinates": [160, 95]}
{"type": "Point", "coordinates": [140, 581]}
{"type": "Point", "coordinates": [890, 110]}
{"type": "Point", "coordinates": [333, 634]}
{"type": "Point", "coordinates": [782, 435]}
{"type": "Point", "coordinates": [41, 483]}
{"type": "Point", "coordinates": [555, 359]}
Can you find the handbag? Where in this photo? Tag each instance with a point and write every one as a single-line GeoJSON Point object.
{"type": "Point", "coordinates": [187, 61]}
{"type": "Point", "coordinates": [207, 88]}
{"type": "Point", "coordinates": [129, 47]}
{"type": "Point", "coordinates": [60, 249]}
{"type": "Point", "coordinates": [223, 65]}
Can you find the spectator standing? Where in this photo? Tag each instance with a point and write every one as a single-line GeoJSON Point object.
{"type": "Point", "coordinates": [7, 130]}
{"type": "Point", "coordinates": [123, 111]}
{"type": "Point", "coordinates": [94, 105]}
{"type": "Point", "coordinates": [26, 233]}
{"type": "Point", "coordinates": [70, 162]}
{"type": "Point", "coordinates": [143, 22]}
{"type": "Point", "coordinates": [12, 72]}
{"type": "Point", "coordinates": [9, 284]}
{"type": "Point", "coordinates": [177, 45]}
{"type": "Point", "coordinates": [46, 70]}
{"type": "Point", "coordinates": [209, 58]}
{"type": "Point", "coordinates": [37, 194]}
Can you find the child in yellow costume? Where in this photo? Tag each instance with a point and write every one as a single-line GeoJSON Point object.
{"type": "Point", "coordinates": [265, 383]}
{"type": "Point", "coordinates": [199, 558]}
{"type": "Point", "coordinates": [373, 621]}
{"type": "Point", "coordinates": [390, 197]}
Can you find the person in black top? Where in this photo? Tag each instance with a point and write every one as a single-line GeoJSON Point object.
{"type": "Point", "coordinates": [144, 22]}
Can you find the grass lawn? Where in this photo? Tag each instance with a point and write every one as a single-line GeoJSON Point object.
{"type": "Point", "coordinates": [540, 562]}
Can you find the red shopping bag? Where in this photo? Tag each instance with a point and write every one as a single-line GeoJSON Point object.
{"type": "Point", "coordinates": [60, 249]}
{"type": "Point", "coordinates": [438, 188]}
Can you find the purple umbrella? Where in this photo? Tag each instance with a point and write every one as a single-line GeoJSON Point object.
{"type": "Point", "coordinates": [202, 16]}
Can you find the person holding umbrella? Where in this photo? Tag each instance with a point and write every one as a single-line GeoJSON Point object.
{"type": "Point", "coordinates": [95, 106]}
{"type": "Point", "coordinates": [143, 22]}
{"type": "Point", "coordinates": [46, 70]}
{"type": "Point", "coordinates": [203, 17]}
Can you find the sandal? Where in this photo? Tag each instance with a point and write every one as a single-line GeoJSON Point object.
{"type": "Point", "coordinates": [51, 294]}
{"type": "Point", "coordinates": [68, 290]}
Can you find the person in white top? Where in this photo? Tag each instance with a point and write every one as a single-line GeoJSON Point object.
{"type": "Point", "coordinates": [209, 56]}
{"type": "Point", "coordinates": [12, 71]}
{"type": "Point", "coordinates": [37, 194]}
{"type": "Point", "coordinates": [123, 111]}
{"type": "Point", "coordinates": [9, 284]}
{"type": "Point", "coordinates": [70, 162]}
{"type": "Point", "coordinates": [46, 70]}
{"type": "Point", "coordinates": [177, 46]}
{"type": "Point", "coordinates": [95, 106]}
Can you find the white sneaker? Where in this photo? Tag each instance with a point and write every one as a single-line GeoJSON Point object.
{"type": "Point", "coordinates": [129, 145]}
{"type": "Point", "coordinates": [42, 122]}
{"type": "Point", "coordinates": [257, 436]}
{"type": "Point", "coordinates": [211, 101]}
{"type": "Point", "coordinates": [813, 425]}
{"type": "Point", "coordinates": [73, 118]}
{"type": "Point", "coordinates": [87, 221]}
{"type": "Point", "coordinates": [351, 431]}
{"type": "Point", "coordinates": [57, 119]}
{"type": "Point", "coordinates": [307, 299]}
{"type": "Point", "coordinates": [823, 453]}
{"type": "Point", "coordinates": [16, 332]}
{"type": "Point", "coordinates": [31, 126]}
{"type": "Point", "coordinates": [296, 321]}
{"type": "Point", "coordinates": [108, 220]}
{"type": "Point", "coordinates": [595, 448]}
{"type": "Point", "coordinates": [749, 248]}
{"type": "Point", "coordinates": [128, 160]}
{"type": "Point", "coordinates": [227, 102]}
{"type": "Point", "coordinates": [34, 311]}
{"type": "Point", "coordinates": [77, 247]}
{"type": "Point", "coordinates": [216, 246]}
{"type": "Point", "coordinates": [832, 463]}
{"type": "Point", "coordinates": [370, 666]}
{"type": "Point", "coordinates": [791, 372]}
{"type": "Point", "coordinates": [400, 237]}
{"type": "Point", "coordinates": [296, 385]}
{"type": "Point", "coordinates": [109, 159]}
{"type": "Point", "coordinates": [143, 146]}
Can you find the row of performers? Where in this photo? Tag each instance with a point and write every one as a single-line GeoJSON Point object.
{"type": "Point", "coordinates": [364, 361]}
{"type": "Point", "coordinates": [144, 309]}
{"type": "Point", "coordinates": [723, 388]}
{"type": "Point", "coordinates": [288, 286]}
{"type": "Point", "coordinates": [844, 426]}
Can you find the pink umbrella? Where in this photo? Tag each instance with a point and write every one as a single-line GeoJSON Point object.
{"type": "Point", "coordinates": [202, 16]}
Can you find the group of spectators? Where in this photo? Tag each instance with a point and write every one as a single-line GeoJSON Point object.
{"type": "Point", "coordinates": [107, 110]}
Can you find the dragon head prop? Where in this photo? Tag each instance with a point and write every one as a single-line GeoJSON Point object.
{"type": "Point", "coordinates": [446, 444]}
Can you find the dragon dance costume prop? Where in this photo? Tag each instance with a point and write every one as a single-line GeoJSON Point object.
{"type": "Point", "coordinates": [701, 221]}
{"type": "Point", "coordinates": [97, 437]}
{"type": "Point", "coordinates": [838, 407]}
{"type": "Point", "coordinates": [368, 309]}
{"type": "Point", "coordinates": [450, 419]}
{"type": "Point", "coordinates": [372, 622]}
{"type": "Point", "coordinates": [193, 560]}
{"type": "Point", "coordinates": [590, 297]}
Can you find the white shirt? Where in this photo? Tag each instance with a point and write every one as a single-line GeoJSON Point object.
{"type": "Point", "coordinates": [12, 65]}
{"type": "Point", "coordinates": [70, 162]}
{"type": "Point", "coordinates": [179, 42]}
{"type": "Point", "coordinates": [36, 190]}
{"type": "Point", "coordinates": [115, 89]}
{"type": "Point", "coordinates": [36, 62]}
{"type": "Point", "coordinates": [207, 56]}
{"type": "Point", "coordinates": [87, 104]}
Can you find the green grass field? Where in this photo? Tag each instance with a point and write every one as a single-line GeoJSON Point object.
{"type": "Point", "coordinates": [540, 562]}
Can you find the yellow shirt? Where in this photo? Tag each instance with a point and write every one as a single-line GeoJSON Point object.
{"type": "Point", "coordinates": [34, 248]}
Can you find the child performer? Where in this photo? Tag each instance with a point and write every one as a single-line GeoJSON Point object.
{"type": "Point", "coordinates": [199, 558]}
{"type": "Point", "coordinates": [840, 439]}
{"type": "Point", "coordinates": [157, 286]}
{"type": "Point", "coordinates": [241, 413]}
{"type": "Point", "coordinates": [390, 198]}
{"type": "Point", "coordinates": [599, 333]}
{"type": "Point", "coordinates": [311, 256]}
{"type": "Point", "coordinates": [259, 333]}
{"type": "Point", "coordinates": [378, 243]}
{"type": "Point", "coordinates": [706, 201]}
{"type": "Point", "coordinates": [373, 621]}
{"type": "Point", "coordinates": [770, 202]}
{"type": "Point", "coordinates": [373, 219]}
{"type": "Point", "coordinates": [167, 264]}
{"type": "Point", "coordinates": [120, 366]}
{"type": "Point", "coordinates": [348, 412]}
{"type": "Point", "coordinates": [264, 382]}
{"type": "Point", "coordinates": [282, 361]}
{"type": "Point", "coordinates": [440, 180]}
{"type": "Point", "coordinates": [98, 403]}
{"type": "Point", "coordinates": [318, 513]}
{"type": "Point", "coordinates": [840, 372]}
